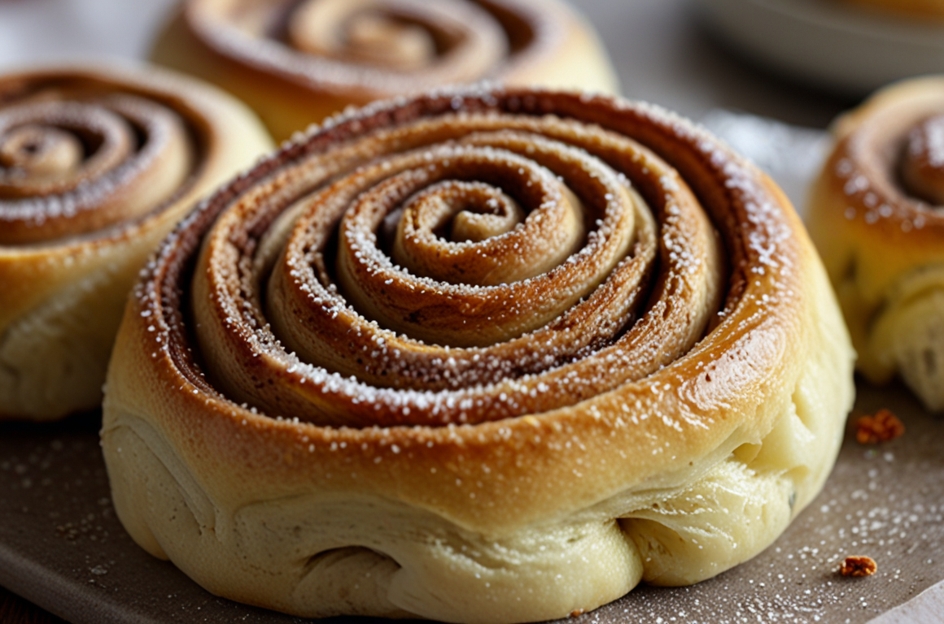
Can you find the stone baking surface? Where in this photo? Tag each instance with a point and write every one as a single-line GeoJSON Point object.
{"type": "Point", "coordinates": [62, 546]}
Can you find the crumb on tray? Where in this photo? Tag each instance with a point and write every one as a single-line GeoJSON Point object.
{"type": "Point", "coordinates": [882, 427]}
{"type": "Point", "coordinates": [857, 565]}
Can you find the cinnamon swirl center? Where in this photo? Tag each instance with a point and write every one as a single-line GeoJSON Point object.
{"type": "Point", "coordinates": [73, 166]}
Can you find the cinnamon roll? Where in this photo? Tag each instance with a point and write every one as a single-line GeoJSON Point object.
{"type": "Point", "coordinates": [477, 356]}
{"type": "Point", "coordinates": [296, 62]}
{"type": "Point", "coordinates": [96, 166]}
{"type": "Point", "coordinates": [875, 214]}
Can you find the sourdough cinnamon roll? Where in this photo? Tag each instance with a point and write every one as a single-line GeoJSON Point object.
{"type": "Point", "coordinates": [875, 214]}
{"type": "Point", "coordinates": [96, 166]}
{"type": "Point", "coordinates": [477, 356]}
{"type": "Point", "coordinates": [297, 62]}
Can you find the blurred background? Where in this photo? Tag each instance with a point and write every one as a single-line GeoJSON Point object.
{"type": "Point", "coordinates": [669, 52]}
{"type": "Point", "coordinates": [660, 50]}
{"type": "Point", "coordinates": [768, 76]}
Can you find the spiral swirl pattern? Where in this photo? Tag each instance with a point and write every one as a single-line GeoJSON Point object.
{"type": "Point", "coordinates": [875, 214]}
{"type": "Point", "coordinates": [589, 240]}
{"type": "Point", "coordinates": [506, 319]}
{"type": "Point", "coordinates": [297, 62]}
{"type": "Point", "coordinates": [95, 167]}
{"type": "Point", "coordinates": [51, 189]}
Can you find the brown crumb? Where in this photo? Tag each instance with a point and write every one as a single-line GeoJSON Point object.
{"type": "Point", "coordinates": [857, 565]}
{"type": "Point", "coordinates": [881, 427]}
{"type": "Point", "coordinates": [576, 613]}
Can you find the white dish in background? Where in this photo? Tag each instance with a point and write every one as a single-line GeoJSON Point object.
{"type": "Point", "coordinates": [828, 43]}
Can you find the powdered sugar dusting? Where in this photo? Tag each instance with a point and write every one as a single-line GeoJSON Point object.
{"type": "Point", "coordinates": [386, 351]}
{"type": "Point", "coordinates": [387, 380]}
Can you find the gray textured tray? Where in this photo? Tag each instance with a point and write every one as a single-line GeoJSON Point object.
{"type": "Point", "coordinates": [62, 547]}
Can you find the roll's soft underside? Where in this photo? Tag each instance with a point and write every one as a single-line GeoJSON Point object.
{"type": "Point", "coordinates": [96, 166]}
{"type": "Point", "coordinates": [875, 215]}
{"type": "Point", "coordinates": [656, 403]}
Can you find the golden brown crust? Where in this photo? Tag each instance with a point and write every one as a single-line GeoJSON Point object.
{"type": "Point", "coordinates": [874, 217]}
{"type": "Point", "coordinates": [297, 63]}
{"type": "Point", "coordinates": [713, 354]}
{"type": "Point", "coordinates": [96, 166]}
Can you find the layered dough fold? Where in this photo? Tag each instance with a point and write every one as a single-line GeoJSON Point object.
{"type": "Point", "coordinates": [296, 63]}
{"type": "Point", "coordinates": [875, 215]}
{"type": "Point", "coordinates": [478, 356]}
{"type": "Point", "coordinates": [96, 166]}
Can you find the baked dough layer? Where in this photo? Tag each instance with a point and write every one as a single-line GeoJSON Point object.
{"type": "Point", "coordinates": [670, 467]}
